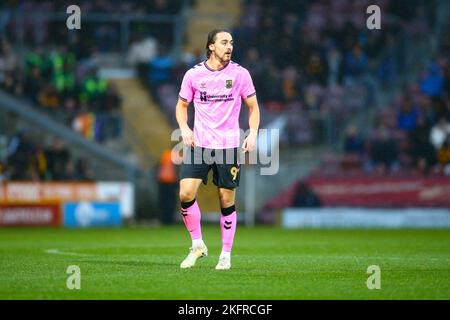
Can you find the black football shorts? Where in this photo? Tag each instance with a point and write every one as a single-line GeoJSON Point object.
{"type": "Point", "coordinates": [198, 161]}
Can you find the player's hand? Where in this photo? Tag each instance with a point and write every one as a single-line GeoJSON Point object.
{"type": "Point", "coordinates": [249, 142]}
{"type": "Point", "coordinates": [188, 137]}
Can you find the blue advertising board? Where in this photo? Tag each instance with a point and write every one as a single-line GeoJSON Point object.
{"type": "Point", "coordinates": [91, 214]}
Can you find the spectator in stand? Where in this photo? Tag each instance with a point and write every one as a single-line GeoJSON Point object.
{"type": "Point", "coordinates": [92, 89]}
{"type": "Point", "coordinates": [384, 153]}
{"type": "Point", "coordinates": [441, 107]}
{"type": "Point", "coordinates": [3, 173]}
{"type": "Point", "coordinates": [39, 164]}
{"type": "Point", "coordinates": [33, 84]}
{"type": "Point", "coordinates": [289, 85]}
{"type": "Point", "coordinates": [48, 98]}
{"type": "Point", "coordinates": [58, 156]}
{"type": "Point", "coordinates": [426, 110]}
{"type": "Point", "coordinates": [23, 159]}
{"type": "Point", "coordinates": [421, 150]}
{"type": "Point", "coordinates": [84, 123]}
{"type": "Point", "coordinates": [167, 186]}
{"type": "Point", "coordinates": [83, 170]}
{"type": "Point", "coordinates": [69, 172]}
{"type": "Point", "coordinates": [407, 115]}
{"type": "Point", "coordinates": [78, 170]}
{"type": "Point", "coordinates": [353, 142]}
{"type": "Point", "coordinates": [160, 70]}
{"type": "Point", "coordinates": [432, 82]}
{"type": "Point", "coordinates": [316, 69]}
{"type": "Point", "coordinates": [3, 157]}
{"type": "Point", "coordinates": [446, 87]}
{"type": "Point", "coordinates": [142, 50]}
{"type": "Point", "coordinates": [271, 89]}
{"type": "Point", "coordinates": [305, 197]}
{"type": "Point", "coordinates": [439, 133]}
{"type": "Point", "coordinates": [356, 64]}
{"type": "Point", "coordinates": [20, 152]}
{"type": "Point", "coordinates": [444, 156]}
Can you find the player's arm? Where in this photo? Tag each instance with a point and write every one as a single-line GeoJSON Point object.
{"type": "Point", "coordinates": [182, 118]}
{"type": "Point", "coordinates": [253, 122]}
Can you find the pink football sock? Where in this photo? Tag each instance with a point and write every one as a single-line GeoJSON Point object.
{"type": "Point", "coordinates": [191, 217]}
{"type": "Point", "coordinates": [228, 227]}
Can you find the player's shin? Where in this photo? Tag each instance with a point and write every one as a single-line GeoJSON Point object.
{"type": "Point", "coordinates": [191, 217]}
{"type": "Point", "coordinates": [228, 221]}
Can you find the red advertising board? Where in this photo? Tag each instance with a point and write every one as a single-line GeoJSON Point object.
{"type": "Point", "coordinates": [383, 191]}
{"type": "Point", "coordinates": [30, 215]}
{"type": "Point", "coordinates": [373, 192]}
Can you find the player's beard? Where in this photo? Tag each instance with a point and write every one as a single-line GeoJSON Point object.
{"type": "Point", "coordinates": [227, 57]}
{"type": "Point", "coordinates": [224, 58]}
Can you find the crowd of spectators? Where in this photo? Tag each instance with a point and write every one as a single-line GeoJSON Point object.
{"type": "Point", "coordinates": [57, 70]}
{"type": "Point", "coordinates": [413, 133]}
{"type": "Point", "coordinates": [319, 57]}
{"type": "Point", "coordinates": [65, 87]}
{"type": "Point", "coordinates": [308, 59]}
{"type": "Point", "coordinates": [23, 157]}
{"type": "Point", "coordinates": [94, 36]}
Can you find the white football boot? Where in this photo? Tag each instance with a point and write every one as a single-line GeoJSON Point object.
{"type": "Point", "coordinates": [224, 263]}
{"type": "Point", "coordinates": [194, 254]}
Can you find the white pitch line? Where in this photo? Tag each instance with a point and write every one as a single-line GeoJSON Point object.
{"type": "Point", "coordinates": [56, 251]}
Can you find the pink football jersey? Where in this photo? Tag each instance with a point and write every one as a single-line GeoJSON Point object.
{"type": "Point", "coordinates": [217, 96]}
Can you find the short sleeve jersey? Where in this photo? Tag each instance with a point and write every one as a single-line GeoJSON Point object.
{"type": "Point", "coordinates": [217, 97]}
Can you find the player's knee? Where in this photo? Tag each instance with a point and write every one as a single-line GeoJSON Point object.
{"type": "Point", "coordinates": [226, 204]}
{"type": "Point", "coordinates": [226, 200]}
{"type": "Point", "coordinates": [186, 195]}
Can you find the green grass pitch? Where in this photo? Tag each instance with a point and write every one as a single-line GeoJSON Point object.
{"type": "Point", "coordinates": [267, 263]}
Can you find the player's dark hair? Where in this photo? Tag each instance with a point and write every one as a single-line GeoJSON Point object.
{"type": "Point", "coordinates": [212, 39]}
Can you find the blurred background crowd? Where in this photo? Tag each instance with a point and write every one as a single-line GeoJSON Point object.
{"type": "Point", "coordinates": [360, 101]}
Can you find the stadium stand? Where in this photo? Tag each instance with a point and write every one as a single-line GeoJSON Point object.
{"type": "Point", "coordinates": [314, 64]}
{"type": "Point", "coordinates": [60, 73]}
{"type": "Point", "coordinates": [68, 90]}
{"type": "Point", "coordinates": [409, 135]}
{"type": "Point", "coordinates": [312, 70]}
{"type": "Point", "coordinates": [407, 142]}
{"type": "Point", "coordinates": [23, 158]}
